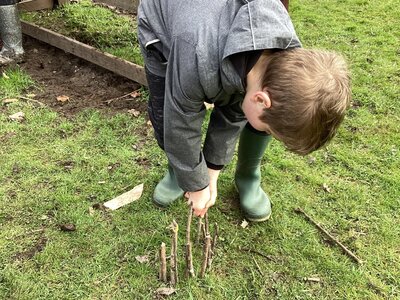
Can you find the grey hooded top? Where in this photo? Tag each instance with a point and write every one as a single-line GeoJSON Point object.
{"type": "Point", "coordinates": [197, 37]}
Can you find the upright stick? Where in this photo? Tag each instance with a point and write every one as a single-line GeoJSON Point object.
{"type": "Point", "coordinates": [174, 256]}
{"type": "Point", "coordinates": [206, 253]}
{"type": "Point", "coordinates": [163, 263]}
{"type": "Point", "coordinates": [213, 245]}
{"type": "Point", "coordinates": [189, 259]}
{"type": "Point", "coordinates": [199, 230]}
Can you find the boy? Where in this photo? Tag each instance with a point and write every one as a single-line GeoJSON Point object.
{"type": "Point", "coordinates": [10, 32]}
{"type": "Point", "coordinates": [245, 58]}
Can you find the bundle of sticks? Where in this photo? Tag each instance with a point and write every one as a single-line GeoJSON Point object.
{"type": "Point", "coordinates": [209, 247]}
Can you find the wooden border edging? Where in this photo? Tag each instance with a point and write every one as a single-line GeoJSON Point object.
{"type": "Point", "coordinates": [129, 5]}
{"type": "Point", "coordinates": [107, 61]}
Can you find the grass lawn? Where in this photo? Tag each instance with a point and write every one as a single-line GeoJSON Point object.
{"type": "Point", "coordinates": [53, 169]}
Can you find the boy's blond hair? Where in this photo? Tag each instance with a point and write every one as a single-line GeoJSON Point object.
{"type": "Point", "coordinates": [309, 91]}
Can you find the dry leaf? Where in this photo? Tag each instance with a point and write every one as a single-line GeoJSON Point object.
{"type": "Point", "coordinates": [135, 94]}
{"type": "Point", "coordinates": [62, 98]}
{"type": "Point", "coordinates": [31, 95]}
{"type": "Point", "coordinates": [142, 259]}
{"type": "Point", "coordinates": [149, 123]}
{"type": "Point", "coordinates": [101, 182]}
{"type": "Point", "coordinates": [10, 100]}
{"type": "Point", "coordinates": [244, 224]}
{"type": "Point", "coordinates": [67, 227]}
{"type": "Point", "coordinates": [19, 117]}
{"type": "Point", "coordinates": [134, 112]}
{"type": "Point", "coordinates": [326, 188]}
{"type": "Point", "coordinates": [5, 75]}
{"type": "Point", "coordinates": [91, 211]}
{"type": "Point", "coordinates": [165, 291]}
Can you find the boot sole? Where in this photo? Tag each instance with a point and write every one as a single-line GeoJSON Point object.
{"type": "Point", "coordinates": [255, 220]}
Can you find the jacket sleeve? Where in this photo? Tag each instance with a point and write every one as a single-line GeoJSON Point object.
{"type": "Point", "coordinates": [184, 113]}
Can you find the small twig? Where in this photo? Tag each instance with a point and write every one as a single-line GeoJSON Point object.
{"type": "Point", "coordinates": [163, 263]}
{"type": "Point", "coordinates": [332, 238]}
{"type": "Point", "coordinates": [207, 228]}
{"type": "Point", "coordinates": [206, 252]}
{"type": "Point", "coordinates": [258, 266]}
{"type": "Point", "coordinates": [174, 256]}
{"type": "Point", "coordinates": [200, 227]}
{"type": "Point", "coordinates": [189, 258]}
{"type": "Point", "coordinates": [117, 98]}
{"type": "Point", "coordinates": [32, 100]}
{"type": "Point", "coordinates": [269, 257]}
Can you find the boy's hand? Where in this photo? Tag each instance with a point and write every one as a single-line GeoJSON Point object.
{"type": "Point", "coordinates": [200, 201]}
{"type": "Point", "coordinates": [204, 199]}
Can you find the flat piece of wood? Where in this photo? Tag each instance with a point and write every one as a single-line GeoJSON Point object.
{"type": "Point", "coordinates": [125, 198]}
{"type": "Point", "coordinates": [105, 60]}
{"type": "Point", "coordinates": [129, 5]}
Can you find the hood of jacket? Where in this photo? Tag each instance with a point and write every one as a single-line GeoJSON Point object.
{"type": "Point", "coordinates": [252, 25]}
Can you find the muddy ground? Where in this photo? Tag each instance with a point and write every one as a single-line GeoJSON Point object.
{"type": "Point", "coordinates": [86, 85]}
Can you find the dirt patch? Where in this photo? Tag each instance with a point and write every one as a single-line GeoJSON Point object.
{"type": "Point", "coordinates": [86, 85]}
{"type": "Point", "coordinates": [39, 245]}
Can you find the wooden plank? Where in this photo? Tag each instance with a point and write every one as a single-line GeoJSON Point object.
{"type": "Point", "coordinates": [86, 52]}
{"type": "Point", "coordinates": [34, 5]}
{"type": "Point", "coordinates": [129, 5]}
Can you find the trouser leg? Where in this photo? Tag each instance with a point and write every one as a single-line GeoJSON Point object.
{"type": "Point", "coordinates": [167, 190]}
{"type": "Point", "coordinates": [10, 31]}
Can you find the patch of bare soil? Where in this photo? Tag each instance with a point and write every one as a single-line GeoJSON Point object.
{"type": "Point", "coordinates": [85, 85]}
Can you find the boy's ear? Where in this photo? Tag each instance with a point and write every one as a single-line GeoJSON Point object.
{"type": "Point", "coordinates": [262, 97]}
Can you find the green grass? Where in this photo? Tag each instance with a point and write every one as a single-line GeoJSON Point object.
{"type": "Point", "coordinates": [93, 25]}
{"type": "Point", "coordinates": [13, 82]}
{"type": "Point", "coordinates": [52, 169]}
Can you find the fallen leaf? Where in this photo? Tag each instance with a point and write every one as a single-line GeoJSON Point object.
{"type": "Point", "coordinates": [134, 112]}
{"type": "Point", "coordinates": [19, 117]}
{"type": "Point", "coordinates": [126, 198]}
{"type": "Point", "coordinates": [62, 98]}
{"type": "Point", "coordinates": [91, 211]}
{"type": "Point", "coordinates": [135, 94]}
{"type": "Point", "coordinates": [67, 227]}
{"type": "Point", "coordinates": [142, 259]}
{"type": "Point", "coordinates": [10, 100]}
{"type": "Point", "coordinates": [244, 224]}
{"type": "Point", "coordinates": [326, 188]}
{"type": "Point", "coordinates": [31, 95]}
{"type": "Point", "coordinates": [5, 75]}
{"type": "Point", "coordinates": [165, 291]}
{"type": "Point", "coordinates": [149, 123]}
{"type": "Point", "coordinates": [101, 182]}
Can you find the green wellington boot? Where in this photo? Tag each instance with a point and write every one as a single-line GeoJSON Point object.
{"type": "Point", "coordinates": [253, 200]}
{"type": "Point", "coordinates": [167, 190]}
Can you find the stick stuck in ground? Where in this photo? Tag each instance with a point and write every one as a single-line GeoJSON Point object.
{"type": "Point", "coordinates": [213, 245]}
{"type": "Point", "coordinates": [332, 238]}
{"type": "Point", "coordinates": [163, 263]}
{"type": "Point", "coordinates": [200, 226]}
{"type": "Point", "coordinates": [189, 258]}
{"type": "Point", "coordinates": [206, 253]}
{"type": "Point", "coordinates": [174, 256]}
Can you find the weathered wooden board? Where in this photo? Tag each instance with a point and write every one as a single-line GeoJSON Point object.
{"type": "Point", "coordinates": [86, 52]}
{"type": "Point", "coordinates": [129, 5]}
